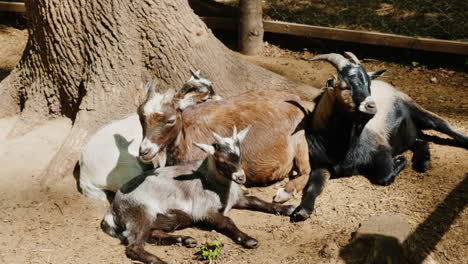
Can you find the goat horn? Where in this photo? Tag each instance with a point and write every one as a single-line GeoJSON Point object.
{"type": "Point", "coordinates": [352, 57]}
{"type": "Point", "coordinates": [218, 138]}
{"type": "Point", "coordinates": [195, 74]}
{"type": "Point", "coordinates": [234, 132]}
{"type": "Point", "coordinates": [150, 88]}
{"type": "Point", "coordinates": [334, 58]}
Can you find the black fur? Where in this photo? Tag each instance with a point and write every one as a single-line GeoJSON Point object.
{"type": "Point", "coordinates": [358, 80]}
{"type": "Point", "coordinates": [345, 147]}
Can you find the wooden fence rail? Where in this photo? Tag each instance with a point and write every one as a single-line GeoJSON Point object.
{"type": "Point", "coordinates": [356, 36]}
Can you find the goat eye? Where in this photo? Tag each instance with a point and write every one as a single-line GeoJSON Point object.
{"type": "Point", "coordinates": [170, 122]}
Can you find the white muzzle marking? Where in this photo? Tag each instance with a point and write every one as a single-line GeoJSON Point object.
{"type": "Point", "coordinates": [239, 176]}
{"type": "Point", "coordinates": [368, 106]}
{"type": "Point", "coordinates": [148, 150]}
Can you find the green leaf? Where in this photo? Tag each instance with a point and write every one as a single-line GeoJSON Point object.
{"type": "Point", "coordinates": [415, 63]}
{"type": "Point", "coordinates": [210, 251]}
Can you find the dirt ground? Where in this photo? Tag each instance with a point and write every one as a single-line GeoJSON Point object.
{"type": "Point", "coordinates": [53, 223]}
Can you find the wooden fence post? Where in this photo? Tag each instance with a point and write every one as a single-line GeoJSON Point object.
{"type": "Point", "coordinates": [250, 27]}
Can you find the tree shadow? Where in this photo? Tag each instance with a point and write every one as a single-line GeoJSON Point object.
{"type": "Point", "coordinates": [419, 244]}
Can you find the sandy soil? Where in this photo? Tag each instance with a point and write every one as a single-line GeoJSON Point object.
{"type": "Point", "coordinates": [54, 223]}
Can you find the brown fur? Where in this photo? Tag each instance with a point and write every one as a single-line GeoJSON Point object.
{"type": "Point", "coordinates": [270, 149]}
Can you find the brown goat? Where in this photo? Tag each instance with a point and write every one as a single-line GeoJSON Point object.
{"type": "Point", "coordinates": [274, 146]}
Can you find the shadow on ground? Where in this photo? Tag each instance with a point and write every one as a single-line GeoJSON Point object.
{"type": "Point", "coordinates": [383, 249]}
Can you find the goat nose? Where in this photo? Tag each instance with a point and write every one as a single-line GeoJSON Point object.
{"type": "Point", "coordinates": [144, 151]}
{"type": "Point", "coordinates": [370, 107]}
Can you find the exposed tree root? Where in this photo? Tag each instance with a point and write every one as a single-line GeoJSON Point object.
{"type": "Point", "coordinates": [8, 104]}
{"type": "Point", "coordinates": [66, 157]}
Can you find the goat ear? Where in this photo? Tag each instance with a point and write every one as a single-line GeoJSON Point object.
{"type": "Point", "coordinates": [377, 74]}
{"type": "Point", "coordinates": [218, 138]}
{"type": "Point", "coordinates": [150, 88]}
{"type": "Point", "coordinates": [243, 133]}
{"type": "Point", "coordinates": [331, 84]}
{"type": "Point", "coordinates": [205, 147]}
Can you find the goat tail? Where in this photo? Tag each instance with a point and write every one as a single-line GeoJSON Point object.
{"type": "Point", "coordinates": [425, 119]}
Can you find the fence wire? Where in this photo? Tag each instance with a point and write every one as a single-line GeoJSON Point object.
{"type": "Point", "coordinates": [420, 18]}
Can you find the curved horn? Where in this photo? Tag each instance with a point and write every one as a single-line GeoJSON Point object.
{"type": "Point", "coordinates": [234, 131]}
{"type": "Point", "coordinates": [334, 58]}
{"type": "Point", "coordinates": [218, 138]}
{"type": "Point", "coordinates": [352, 57]}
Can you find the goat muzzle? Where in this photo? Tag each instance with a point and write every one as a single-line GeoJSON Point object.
{"type": "Point", "coordinates": [368, 106]}
{"type": "Point", "coordinates": [239, 177]}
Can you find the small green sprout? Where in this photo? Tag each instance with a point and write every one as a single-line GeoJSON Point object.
{"type": "Point", "coordinates": [210, 251]}
{"type": "Point", "coordinates": [415, 63]}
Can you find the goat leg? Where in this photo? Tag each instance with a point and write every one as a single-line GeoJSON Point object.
{"type": "Point", "coordinates": [421, 155]}
{"type": "Point", "coordinates": [172, 220]}
{"type": "Point", "coordinates": [226, 226]}
{"type": "Point", "coordinates": [256, 204]}
{"type": "Point", "coordinates": [159, 237]}
{"type": "Point", "coordinates": [138, 253]}
{"type": "Point", "coordinates": [314, 188]}
{"type": "Point", "coordinates": [135, 249]}
{"type": "Point", "coordinates": [385, 168]}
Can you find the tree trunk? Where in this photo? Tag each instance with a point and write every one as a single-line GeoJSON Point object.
{"type": "Point", "coordinates": [85, 59]}
{"type": "Point", "coordinates": [250, 27]}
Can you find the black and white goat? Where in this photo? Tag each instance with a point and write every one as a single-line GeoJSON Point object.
{"type": "Point", "coordinates": [199, 192]}
{"type": "Point", "coordinates": [343, 143]}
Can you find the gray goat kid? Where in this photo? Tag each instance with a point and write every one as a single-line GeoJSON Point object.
{"type": "Point", "coordinates": [169, 198]}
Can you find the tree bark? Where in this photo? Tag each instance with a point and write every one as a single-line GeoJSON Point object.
{"type": "Point", "coordinates": [84, 60]}
{"type": "Point", "coordinates": [250, 27]}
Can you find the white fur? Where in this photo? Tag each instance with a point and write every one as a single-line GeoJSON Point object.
{"type": "Point", "coordinates": [160, 191]}
{"type": "Point", "coordinates": [362, 106]}
{"type": "Point", "coordinates": [282, 196]}
{"type": "Point", "coordinates": [384, 96]}
{"type": "Point", "coordinates": [155, 103]}
{"type": "Point", "coordinates": [147, 144]}
{"type": "Point", "coordinates": [104, 165]}
{"type": "Point", "coordinates": [186, 102]}
{"type": "Point", "coordinates": [200, 82]}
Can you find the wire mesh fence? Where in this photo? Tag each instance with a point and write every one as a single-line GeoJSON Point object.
{"type": "Point", "coordinates": [421, 18]}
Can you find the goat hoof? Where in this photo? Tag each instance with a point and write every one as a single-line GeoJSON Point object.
{"type": "Point", "coordinates": [386, 182]}
{"type": "Point", "coordinates": [300, 214]}
{"type": "Point", "coordinates": [250, 243]}
{"type": "Point", "coordinates": [282, 196]}
{"type": "Point", "coordinates": [287, 210]}
{"type": "Point", "coordinates": [421, 166]}
{"type": "Point", "coordinates": [189, 242]}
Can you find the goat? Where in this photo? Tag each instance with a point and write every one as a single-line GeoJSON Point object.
{"type": "Point", "coordinates": [110, 158]}
{"type": "Point", "coordinates": [271, 151]}
{"type": "Point", "coordinates": [341, 145]}
{"type": "Point", "coordinates": [199, 192]}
